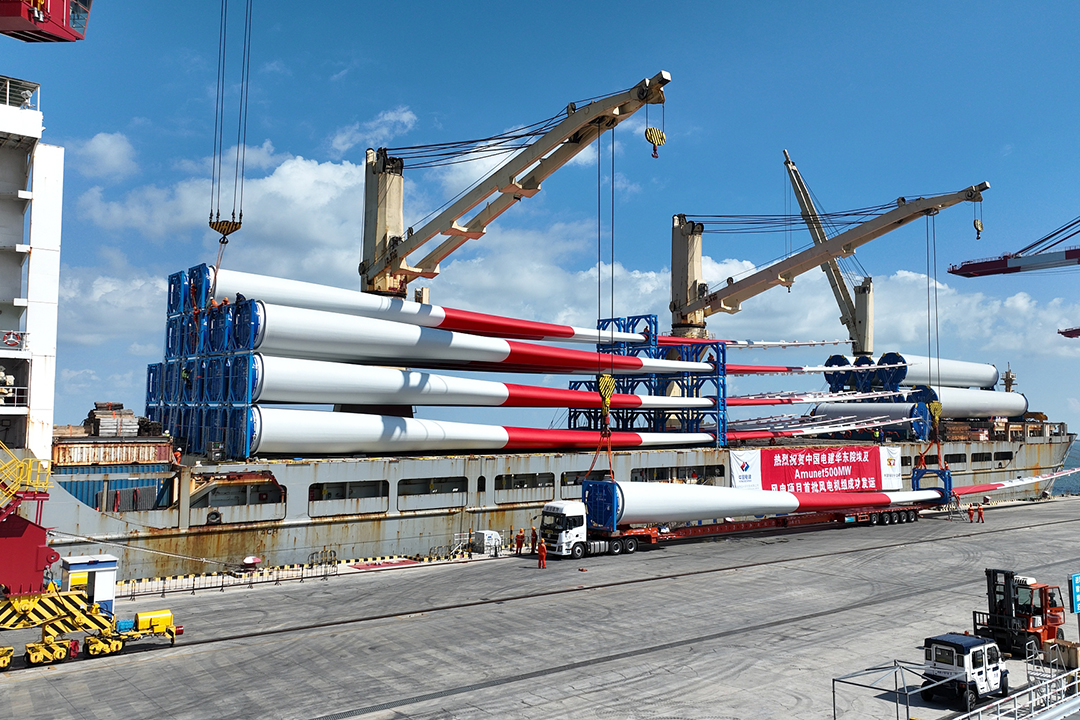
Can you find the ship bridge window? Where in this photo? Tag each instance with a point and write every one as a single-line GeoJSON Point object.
{"type": "Point", "coordinates": [524, 487]}
{"type": "Point", "coordinates": [954, 458]}
{"type": "Point", "coordinates": [571, 482]}
{"type": "Point", "coordinates": [930, 460]}
{"type": "Point", "coordinates": [348, 498]}
{"type": "Point", "coordinates": [433, 486]}
{"type": "Point", "coordinates": [574, 478]}
{"type": "Point", "coordinates": [905, 461]}
{"type": "Point", "coordinates": [348, 490]}
{"type": "Point", "coordinates": [1006, 456]}
{"type": "Point", "coordinates": [521, 481]}
{"type": "Point", "coordinates": [982, 457]}
{"type": "Point", "coordinates": [693, 474]}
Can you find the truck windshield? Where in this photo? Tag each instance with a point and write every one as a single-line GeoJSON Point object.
{"type": "Point", "coordinates": [552, 522]}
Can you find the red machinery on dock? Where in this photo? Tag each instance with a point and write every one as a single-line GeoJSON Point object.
{"type": "Point", "coordinates": [45, 20]}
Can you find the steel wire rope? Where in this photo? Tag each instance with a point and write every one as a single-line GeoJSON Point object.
{"type": "Point", "coordinates": [451, 153]}
{"type": "Point", "coordinates": [240, 160]}
{"type": "Point", "coordinates": [219, 110]}
{"type": "Point", "coordinates": [612, 230]}
{"type": "Point", "coordinates": [241, 123]}
{"type": "Point", "coordinates": [1044, 243]}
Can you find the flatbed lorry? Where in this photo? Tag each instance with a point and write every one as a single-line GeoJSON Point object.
{"type": "Point", "coordinates": [614, 518]}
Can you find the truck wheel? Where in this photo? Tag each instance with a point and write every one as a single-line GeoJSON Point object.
{"type": "Point", "coordinates": [927, 695]}
{"type": "Point", "coordinates": [1060, 634]}
{"type": "Point", "coordinates": [969, 700]}
{"type": "Point", "coordinates": [874, 518]}
{"type": "Point", "coordinates": [630, 546]}
{"type": "Point", "coordinates": [1003, 691]}
{"type": "Point", "coordinates": [578, 551]}
{"type": "Point", "coordinates": [895, 517]}
{"type": "Point", "coordinates": [615, 547]}
{"type": "Point", "coordinates": [912, 516]}
{"type": "Point", "coordinates": [886, 519]}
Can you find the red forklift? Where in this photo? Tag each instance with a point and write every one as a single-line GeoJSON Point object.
{"type": "Point", "coordinates": [1020, 611]}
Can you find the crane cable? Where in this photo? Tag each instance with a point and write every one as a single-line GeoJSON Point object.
{"type": "Point", "coordinates": [231, 225]}
{"type": "Point", "coordinates": [933, 340]}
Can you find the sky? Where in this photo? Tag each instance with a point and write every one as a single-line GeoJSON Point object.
{"type": "Point", "coordinates": [872, 101]}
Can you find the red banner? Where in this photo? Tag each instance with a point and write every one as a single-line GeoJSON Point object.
{"type": "Point", "coordinates": [821, 470]}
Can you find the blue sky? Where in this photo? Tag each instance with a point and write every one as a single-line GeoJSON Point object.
{"type": "Point", "coordinates": [873, 102]}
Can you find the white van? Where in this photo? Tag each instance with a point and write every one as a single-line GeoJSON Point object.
{"type": "Point", "coordinates": [972, 667]}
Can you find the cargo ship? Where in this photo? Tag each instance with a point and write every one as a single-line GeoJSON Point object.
{"type": "Point", "coordinates": [258, 476]}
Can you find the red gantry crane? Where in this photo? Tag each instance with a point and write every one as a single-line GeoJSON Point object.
{"type": "Point", "coordinates": [1036, 256]}
{"type": "Point", "coordinates": [45, 20]}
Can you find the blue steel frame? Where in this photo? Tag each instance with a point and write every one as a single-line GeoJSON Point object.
{"type": "Point", "coordinates": [944, 476]}
{"type": "Point", "coordinates": [202, 392]}
{"type": "Point", "coordinates": [712, 385]}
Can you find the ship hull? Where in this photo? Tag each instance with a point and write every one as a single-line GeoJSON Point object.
{"type": "Point", "coordinates": [288, 512]}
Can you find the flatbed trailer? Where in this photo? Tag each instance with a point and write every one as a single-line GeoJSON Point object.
{"type": "Point", "coordinates": [572, 528]}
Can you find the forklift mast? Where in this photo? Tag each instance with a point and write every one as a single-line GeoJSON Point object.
{"type": "Point", "coordinates": [1001, 592]}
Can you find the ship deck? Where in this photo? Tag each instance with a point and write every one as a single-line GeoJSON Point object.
{"type": "Point", "coordinates": [744, 627]}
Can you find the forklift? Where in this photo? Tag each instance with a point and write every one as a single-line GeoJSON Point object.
{"type": "Point", "coordinates": [1020, 611]}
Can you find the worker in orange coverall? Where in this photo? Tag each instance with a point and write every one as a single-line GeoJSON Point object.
{"type": "Point", "coordinates": [533, 551]}
{"type": "Point", "coordinates": [971, 512]}
{"type": "Point", "coordinates": [541, 562]}
{"type": "Point", "coordinates": [520, 539]}
{"type": "Point", "coordinates": [980, 513]}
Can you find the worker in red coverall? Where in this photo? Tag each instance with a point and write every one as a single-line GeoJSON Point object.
{"type": "Point", "coordinates": [971, 512]}
{"type": "Point", "coordinates": [533, 551]}
{"type": "Point", "coordinates": [980, 513]}
{"type": "Point", "coordinates": [541, 562]}
{"type": "Point", "coordinates": [520, 539]}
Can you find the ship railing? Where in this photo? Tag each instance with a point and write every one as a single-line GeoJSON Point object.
{"type": "Point", "coordinates": [19, 93]}
{"type": "Point", "coordinates": [1056, 697]}
{"type": "Point", "coordinates": [219, 581]}
{"type": "Point", "coordinates": [14, 396]}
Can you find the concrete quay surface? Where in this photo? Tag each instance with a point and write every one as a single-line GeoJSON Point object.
{"type": "Point", "coordinates": [744, 627]}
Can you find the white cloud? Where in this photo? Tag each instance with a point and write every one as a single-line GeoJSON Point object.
{"type": "Point", "coordinates": [145, 349]}
{"type": "Point", "coordinates": [302, 220]}
{"type": "Point", "coordinates": [276, 66]}
{"type": "Point", "coordinates": [117, 305]}
{"type": "Point", "coordinates": [256, 157]}
{"type": "Point", "coordinates": [374, 133]}
{"type": "Point", "coordinates": [106, 155]}
{"type": "Point", "coordinates": [153, 211]}
{"type": "Point", "coordinates": [78, 381]}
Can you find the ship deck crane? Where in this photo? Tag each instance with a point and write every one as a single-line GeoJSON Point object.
{"type": "Point", "coordinates": [1033, 257]}
{"type": "Point", "coordinates": [387, 243]}
{"type": "Point", "coordinates": [692, 302]}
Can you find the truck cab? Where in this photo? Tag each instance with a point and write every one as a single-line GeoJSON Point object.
{"type": "Point", "coordinates": [971, 667]}
{"type": "Point", "coordinates": [562, 528]}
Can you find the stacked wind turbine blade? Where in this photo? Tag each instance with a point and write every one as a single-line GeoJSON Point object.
{"type": "Point", "coordinates": [280, 430]}
{"type": "Point", "coordinates": [319, 335]}
{"type": "Point", "coordinates": [295, 380]}
{"type": "Point", "coordinates": [228, 284]}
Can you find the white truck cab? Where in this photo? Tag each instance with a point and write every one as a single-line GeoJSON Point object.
{"type": "Point", "coordinates": [965, 666]}
{"type": "Point", "coordinates": [562, 528]}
